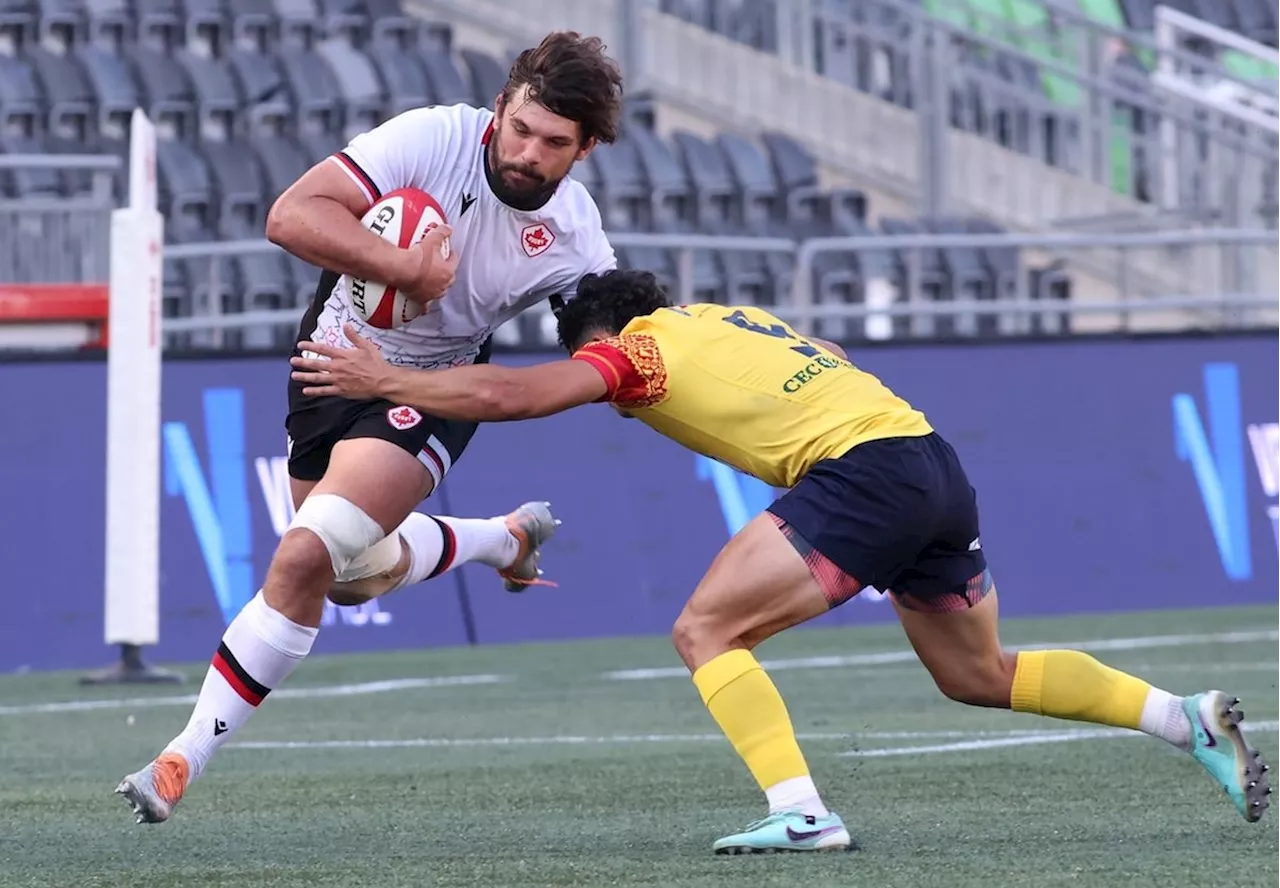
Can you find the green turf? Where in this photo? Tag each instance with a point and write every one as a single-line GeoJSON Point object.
{"type": "Point", "coordinates": [1100, 812]}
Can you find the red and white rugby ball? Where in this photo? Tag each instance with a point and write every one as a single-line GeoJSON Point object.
{"type": "Point", "coordinates": [402, 217]}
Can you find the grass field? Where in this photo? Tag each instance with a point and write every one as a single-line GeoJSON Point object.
{"type": "Point", "coordinates": [532, 765]}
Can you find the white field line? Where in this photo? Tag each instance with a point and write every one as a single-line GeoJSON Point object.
{"type": "Point", "coordinates": [976, 740]}
{"type": "Point", "coordinates": [340, 690]}
{"type": "Point", "coordinates": [600, 740]}
{"type": "Point", "coordinates": [1141, 642]}
{"type": "Point", "coordinates": [1026, 740]}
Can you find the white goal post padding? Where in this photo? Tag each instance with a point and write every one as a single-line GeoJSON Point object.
{"type": "Point", "coordinates": [132, 612]}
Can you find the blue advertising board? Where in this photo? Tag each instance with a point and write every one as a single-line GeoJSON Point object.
{"type": "Point", "coordinates": [1111, 475]}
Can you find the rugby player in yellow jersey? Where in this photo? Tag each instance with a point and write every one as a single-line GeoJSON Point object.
{"type": "Point", "coordinates": [877, 498]}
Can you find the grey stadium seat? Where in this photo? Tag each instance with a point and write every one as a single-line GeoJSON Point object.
{"type": "Point", "coordinates": [253, 23]}
{"type": "Point", "coordinates": [671, 196]}
{"type": "Point", "coordinates": [487, 75]}
{"type": "Point", "coordinates": [756, 195]}
{"type": "Point", "coordinates": [282, 161]}
{"type": "Point", "coordinates": [712, 182]}
{"type": "Point", "coordinates": [299, 20]}
{"type": "Point", "coordinates": [319, 144]}
{"type": "Point", "coordinates": [63, 22]}
{"type": "Point", "coordinates": [166, 88]}
{"type": "Point", "coordinates": [21, 101]}
{"type": "Point", "coordinates": [360, 86]}
{"type": "Point", "coordinates": [203, 289]}
{"type": "Point", "coordinates": [261, 84]}
{"type": "Point", "coordinates": [797, 175]}
{"type": "Point", "coordinates": [68, 95]}
{"type": "Point", "coordinates": [314, 87]}
{"type": "Point", "coordinates": [158, 19]}
{"type": "Point", "coordinates": [185, 186]}
{"type": "Point", "coordinates": [207, 23]}
{"type": "Point", "coordinates": [406, 81]}
{"type": "Point", "coordinates": [265, 284]}
{"type": "Point", "coordinates": [623, 186]}
{"type": "Point", "coordinates": [586, 172]}
{"type": "Point", "coordinates": [217, 94]}
{"type": "Point", "coordinates": [238, 183]}
{"type": "Point", "coordinates": [968, 278]}
{"type": "Point", "coordinates": [110, 20]}
{"type": "Point", "coordinates": [447, 84]}
{"type": "Point", "coordinates": [390, 25]}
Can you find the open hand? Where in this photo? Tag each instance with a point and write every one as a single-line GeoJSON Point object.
{"type": "Point", "coordinates": [359, 372]}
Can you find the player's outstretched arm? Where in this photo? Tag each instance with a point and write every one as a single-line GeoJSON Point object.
{"type": "Point", "coordinates": [479, 393]}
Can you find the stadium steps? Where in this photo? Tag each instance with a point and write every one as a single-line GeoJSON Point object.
{"type": "Point", "coordinates": [707, 83]}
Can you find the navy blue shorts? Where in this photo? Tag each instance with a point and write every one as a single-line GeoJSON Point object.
{"type": "Point", "coordinates": [898, 514]}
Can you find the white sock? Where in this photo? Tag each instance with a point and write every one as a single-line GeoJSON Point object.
{"type": "Point", "coordinates": [439, 544]}
{"type": "Point", "coordinates": [797, 792]}
{"type": "Point", "coordinates": [259, 648]}
{"type": "Point", "coordinates": [1162, 717]}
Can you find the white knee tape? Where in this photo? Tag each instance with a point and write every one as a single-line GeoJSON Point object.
{"type": "Point", "coordinates": [343, 527]}
{"type": "Point", "coordinates": [374, 561]}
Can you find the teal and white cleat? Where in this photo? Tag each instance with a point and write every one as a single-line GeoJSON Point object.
{"type": "Point", "coordinates": [787, 831]}
{"type": "Point", "coordinates": [532, 524]}
{"type": "Point", "coordinates": [1219, 745]}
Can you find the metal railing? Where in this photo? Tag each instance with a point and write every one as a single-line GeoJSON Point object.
{"type": "Point", "coordinates": [54, 239]}
{"type": "Point", "coordinates": [938, 110]}
{"type": "Point", "coordinates": [895, 286]}
{"type": "Point", "coordinates": [1203, 279]}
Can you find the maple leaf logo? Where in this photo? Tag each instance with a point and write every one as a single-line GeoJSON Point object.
{"type": "Point", "coordinates": [536, 239]}
{"type": "Point", "coordinates": [403, 417]}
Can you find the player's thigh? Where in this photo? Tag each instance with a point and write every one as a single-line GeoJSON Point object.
{"type": "Point", "coordinates": [378, 477]}
{"type": "Point", "coordinates": [957, 639]}
{"type": "Point", "coordinates": [757, 586]}
{"type": "Point", "coordinates": [299, 490]}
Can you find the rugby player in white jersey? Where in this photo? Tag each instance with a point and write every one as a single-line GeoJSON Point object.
{"type": "Point", "coordinates": [521, 232]}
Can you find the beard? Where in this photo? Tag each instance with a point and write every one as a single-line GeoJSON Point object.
{"type": "Point", "coordinates": [516, 184]}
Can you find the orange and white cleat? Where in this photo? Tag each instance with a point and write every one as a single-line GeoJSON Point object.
{"type": "Point", "coordinates": [156, 789]}
{"type": "Point", "coordinates": [532, 525]}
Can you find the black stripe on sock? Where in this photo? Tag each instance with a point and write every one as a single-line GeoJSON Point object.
{"type": "Point", "coordinates": [249, 682]}
{"type": "Point", "coordinates": [447, 551]}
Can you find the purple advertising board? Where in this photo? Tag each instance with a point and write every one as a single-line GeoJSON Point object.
{"type": "Point", "coordinates": [1111, 475]}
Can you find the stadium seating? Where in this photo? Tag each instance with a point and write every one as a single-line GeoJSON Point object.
{"type": "Point", "coordinates": [247, 94]}
{"type": "Point", "coordinates": [1009, 100]}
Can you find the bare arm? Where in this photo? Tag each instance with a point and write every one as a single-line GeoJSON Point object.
{"type": "Point", "coordinates": [318, 219]}
{"type": "Point", "coordinates": [487, 393]}
{"type": "Point", "coordinates": [480, 393]}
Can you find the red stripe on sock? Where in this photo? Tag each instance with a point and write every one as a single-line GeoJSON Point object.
{"type": "Point", "coordinates": [224, 669]}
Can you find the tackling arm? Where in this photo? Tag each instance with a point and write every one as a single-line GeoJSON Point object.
{"type": "Point", "coordinates": [489, 393]}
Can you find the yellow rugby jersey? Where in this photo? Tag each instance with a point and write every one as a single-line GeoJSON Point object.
{"type": "Point", "coordinates": [742, 387]}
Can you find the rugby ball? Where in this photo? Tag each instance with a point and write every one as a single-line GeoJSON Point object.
{"type": "Point", "coordinates": [402, 217]}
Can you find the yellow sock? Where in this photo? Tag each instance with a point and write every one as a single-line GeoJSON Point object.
{"type": "Point", "coordinates": [1069, 684]}
{"type": "Point", "coordinates": [750, 711]}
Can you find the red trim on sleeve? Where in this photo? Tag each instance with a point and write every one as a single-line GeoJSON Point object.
{"type": "Point", "coordinates": [359, 175]}
{"type": "Point", "coordinates": [632, 368]}
{"type": "Point", "coordinates": [609, 362]}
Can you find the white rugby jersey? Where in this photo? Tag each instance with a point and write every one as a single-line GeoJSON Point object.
{"type": "Point", "coordinates": [509, 259]}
